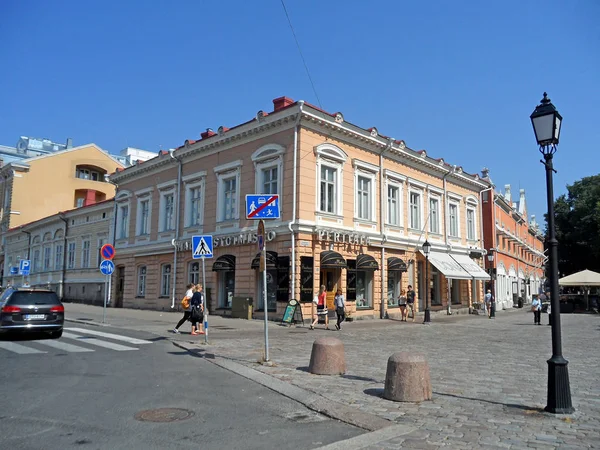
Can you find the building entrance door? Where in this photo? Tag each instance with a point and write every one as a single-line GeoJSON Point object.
{"type": "Point", "coordinates": [120, 287]}
{"type": "Point", "coordinates": [330, 278]}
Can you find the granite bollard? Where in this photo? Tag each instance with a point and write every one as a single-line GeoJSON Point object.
{"type": "Point", "coordinates": [327, 357]}
{"type": "Point", "coordinates": [407, 378]}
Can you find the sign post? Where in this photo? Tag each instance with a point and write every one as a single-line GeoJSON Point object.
{"type": "Point", "coordinates": [107, 267]}
{"type": "Point", "coordinates": [202, 248]}
{"type": "Point", "coordinates": [24, 268]}
{"type": "Point", "coordinates": [263, 206]}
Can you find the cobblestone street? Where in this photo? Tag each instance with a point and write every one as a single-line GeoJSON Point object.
{"type": "Point", "coordinates": [489, 377]}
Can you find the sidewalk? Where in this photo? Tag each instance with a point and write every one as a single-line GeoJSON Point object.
{"type": "Point", "coordinates": [488, 376]}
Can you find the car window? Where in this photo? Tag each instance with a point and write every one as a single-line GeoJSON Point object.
{"type": "Point", "coordinates": [6, 294]}
{"type": "Point", "coordinates": [33, 298]}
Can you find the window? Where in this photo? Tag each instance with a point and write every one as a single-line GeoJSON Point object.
{"type": "Point", "coordinates": [328, 189]}
{"type": "Point", "coordinates": [194, 273]}
{"type": "Point", "coordinates": [144, 219]}
{"type": "Point", "coordinates": [364, 289]}
{"type": "Point", "coordinates": [415, 210]}
{"type": "Point", "coordinates": [99, 258]}
{"type": "Point", "coordinates": [36, 260]}
{"type": "Point", "coordinates": [230, 197]}
{"type": "Point", "coordinates": [363, 198]}
{"type": "Point", "coordinates": [269, 184]}
{"type": "Point", "coordinates": [71, 255]}
{"type": "Point", "coordinates": [84, 174]}
{"type": "Point", "coordinates": [453, 218]}
{"type": "Point", "coordinates": [123, 222]}
{"type": "Point", "coordinates": [47, 257]}
{"type": "Point", "coordinates": [165, 280]}
{"type": "Point", "coordinates": [79, 202]}
{"type": "Point", "coordinates": [141, 285]}
{"type": "Point", "coordinates": [85, 254]}
{"type": "Point", "coordinates": [167, 211]}
{"type": "Point", "coordinates": [58, 256]}
{"type": "Point", "coordinates": [228, 193]}
{"type": "Point", "coordinates": [434, 215]}
{"type": "Point", "coordinates": [471, 235]}
{"type": "Point", "coordinates": [393, 205]}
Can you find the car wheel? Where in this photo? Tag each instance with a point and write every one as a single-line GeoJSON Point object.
{"type": "Point", "coordinates": [56, 334]}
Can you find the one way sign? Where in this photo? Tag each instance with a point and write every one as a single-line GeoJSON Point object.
{"type": "Point", "coordinates": [202, 246]}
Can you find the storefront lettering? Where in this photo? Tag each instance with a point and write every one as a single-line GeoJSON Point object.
{"type": "Point", "coordinates": [225, 241]}
{"type": "Point", "coordinates": [343, 238]}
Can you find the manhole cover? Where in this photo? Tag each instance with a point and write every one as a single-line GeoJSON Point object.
{"type": "Point", "coordinates": [164, 415]}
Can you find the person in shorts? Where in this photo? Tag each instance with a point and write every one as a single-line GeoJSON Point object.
{"type": "Point", "coordinates": [321, 308]}
{"type": "Point", "coordinates": [410, 301]}
{"type": "Point", "coordinates": [402, 305]}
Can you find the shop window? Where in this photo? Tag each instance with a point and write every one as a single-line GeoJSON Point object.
{"type": "Point", "coordinates": [456, 292]}
{"type": "Point", "coordinates": [351, 280]}
{"type": "Point", "coordinates": [283, 278]}
{"type": "Point", "coordinates": [271, 290]}
{"type": "Point", "coordinates": [226, 288]}
{"type": "Point", "coordinates": [394, 286]}
{"type": "Point", "coordinates": [306, 278]}
{"type": "Point", "coordinates": [436, 287]}
{"type": "Point", "coordinates": [165, 280]}
{"type": "Point", "coordinates": [364, 289]}
{"type": "Point", "coordinates": [141, 281]}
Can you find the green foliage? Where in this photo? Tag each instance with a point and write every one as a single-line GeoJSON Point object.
{"type": "Point", "coordinates": [577, 220]}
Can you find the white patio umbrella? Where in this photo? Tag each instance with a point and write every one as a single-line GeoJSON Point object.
{"type": "Point", "coordinates": [585, 279]}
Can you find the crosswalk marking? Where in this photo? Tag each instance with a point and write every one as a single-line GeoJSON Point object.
{"type": "Point", "coordinates": [116, 337]}
{"type": "Point", "coordinates": [18, 348]}
{"type": "Point", "coordinates": [98, 342]}
{"type": "Point", "coordinates": [64, 346]}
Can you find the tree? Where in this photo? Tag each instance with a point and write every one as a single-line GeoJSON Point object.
{"type": "Point", "coordinates": [577, 220]}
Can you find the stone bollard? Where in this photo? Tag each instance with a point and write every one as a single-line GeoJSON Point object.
{"type": "Point", "coordinates": [407, 378]}
{"type": "Point", "coordinates": [327, 357]}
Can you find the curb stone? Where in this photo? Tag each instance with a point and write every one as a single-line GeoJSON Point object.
{"type": "Point", "coordinates": [88, 322]}
{"type": "Point", "coordinates": [309, 399]}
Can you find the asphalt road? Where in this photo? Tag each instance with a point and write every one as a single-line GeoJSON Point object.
{"type": "Point", "coordinates": [86, 395]}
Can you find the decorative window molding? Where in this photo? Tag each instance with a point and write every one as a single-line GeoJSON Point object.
{"type": "Point", "coordinates": [368, 167]}
{"type": "Point", "coordinates": [123, 196]}
{"type": "Point", "coordinates": [330, 152]}
{"type": "Point", "coordinates": [233, 165]}
{"type": "Point", "coordinates": [435, 190]}
{"type": "Point", "coordinates": [167, 185]}
{"type": "Point", "coordinates": [472, 200]}
{"type": "Point", "coordinates": [417, 184]}
{"type": "Point", "coordinates": [228, 191]}
{"type": "Point", "coordinates": [193, 177]}
{"type": "Point", "coordinates": [454, 196]}
{"type": "Point", "coordinates": [394, 175]}
{"type": "Point", "coordinates": [144, 192]}
{"type": "Point", "coordinates": [268, 152]}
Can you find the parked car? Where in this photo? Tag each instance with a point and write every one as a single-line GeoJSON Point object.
{"type": "Point", "coordinates": [30, 310]}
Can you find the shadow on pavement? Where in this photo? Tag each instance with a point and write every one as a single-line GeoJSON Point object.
{"type": "Point", "coordinates": [375, 392]}
{"type": "Point", "coordinates": [359, 378]}
{"type": "Point", "coordinates": [525, 408]}
{"type": "Point", "coordinates": [24, 336]}
{"type": "Point", "coordinates": [303, 369]}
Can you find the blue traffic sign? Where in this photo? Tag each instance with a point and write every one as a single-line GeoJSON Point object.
{"type": "Point", "coordinates": [202, 246]}
{"type": "Point", "coordinates": [24, 267]}
{"type": "Point", "coordinates": [107, 251]}
{"type": "Point", "coordinates": [264, 206]}
{"type": "Point", "coordinates": [107, 267]}
{"type": "Point", "coordinates": [14, 270]}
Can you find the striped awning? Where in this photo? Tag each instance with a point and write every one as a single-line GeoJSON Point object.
{"type": "Point", "coordinates": [224, 263]}
{"type": "Point", "coordinates": [396, 265]}
{"type": "Point", "coordinates": [366, 262]}
{"type": "Point", "coordinates": [271, 260]}
{"type": "Point", "coordinates": [332, 260]}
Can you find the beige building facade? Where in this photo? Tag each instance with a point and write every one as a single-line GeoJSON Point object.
{"type": "Point", "coordinates": [64, 251]}
{"type": "Point", "coordinates": [356, 208]}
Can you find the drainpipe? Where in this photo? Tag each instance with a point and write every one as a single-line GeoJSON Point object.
{"type": "Point", "coordinates": [63, 275]}
{"type": "Point", "coordinates": [382, 309]}
{"type": "Point", "coordinates": [294, 195]}
{"type": "Point", "coordinates": [493, 243]}
{"type": "Point", "coordinates": [178, 203]}
{"type": "Point", "coordinates": [448, 281]}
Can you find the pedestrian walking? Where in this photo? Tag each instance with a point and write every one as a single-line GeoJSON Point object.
{"type": "Point", "coordinates": [185, 304]}
{"type": "Point", "coordinates": [410, 301]}
{"type": "Point", "coordinates": [197, 310]}
{"type": "Point", "coordinates": [402, 305]}
{"type": "Point", "coordinates": [340, 308]}
{"type": "Point", "coordinates": [321, 308]}
{"type": "Point", "coordinates": [536, 307]}
{"type": "Point", "coordinates": [549, 311]}
{"type": "Point", "coordinates": [487, 301]}
{"type": "Point", "coordinates": [492, 304]}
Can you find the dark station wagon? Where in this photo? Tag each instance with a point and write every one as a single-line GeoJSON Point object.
{"type": "Point", "coordinates": [30, 310]}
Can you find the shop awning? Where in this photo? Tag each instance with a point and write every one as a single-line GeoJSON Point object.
{"type": "Point", "coordinates": [445, 264]}
{"type": "Point", "coordinates": [271, 260]}
{"type": "Point", "coordinates": [366, 262]}
{"type": "Point", "coordinates": [332, 260]}
{"type": "Point", "coordinates": [471, 266]}
{"type": "Point", "coordinates": [396, 265]}
{"type": "Point", "coordinates": [224, 263]}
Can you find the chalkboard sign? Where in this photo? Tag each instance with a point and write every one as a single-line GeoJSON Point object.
{"type": "Point", "coordinates": [292, 313]}
{"type": "Point", "coordinates": [306, 278]}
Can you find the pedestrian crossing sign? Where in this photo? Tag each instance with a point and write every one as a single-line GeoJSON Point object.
{"type": "Point", "coordinates": [202, 246]}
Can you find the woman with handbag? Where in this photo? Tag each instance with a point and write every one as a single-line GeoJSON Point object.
{"type": "Point", "coordinates": [185, 304]}
{"type": "Point", "coordinates": [197, 310]}
{"type": "Point", "coordinates": [321, 308]}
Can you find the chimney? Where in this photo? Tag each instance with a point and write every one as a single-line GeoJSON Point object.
{"type": "Point", "coordinates": [507, 193]}
{"type": "Point", "coordinates": [208, 133]}
{"type": "Point", "coordinates": [281, 102]}
{"type": "Point", "coordinates": [522, 201]}
{"type": "Point", "coordinates": [69, 142]}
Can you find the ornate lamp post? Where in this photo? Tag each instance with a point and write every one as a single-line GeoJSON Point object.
{"type": "Point", "coordinates": [546, 123]}
{"type": "Point", "coordinates": [426, 250]}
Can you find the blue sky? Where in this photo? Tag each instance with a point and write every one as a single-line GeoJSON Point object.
{"type": "Point", "coordinates": [458, 79]}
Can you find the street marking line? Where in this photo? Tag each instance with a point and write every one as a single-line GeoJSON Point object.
{"type": "Point", "coordinates": [18, 348]}
{"type": "Point", "coordinates": [98, 342]}
{"type": "Point", "coordinates": [64, 346]}
{"type": "Point", "coordinates": [116, 337]}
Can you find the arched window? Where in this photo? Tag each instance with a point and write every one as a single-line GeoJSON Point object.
{"type": "Point", "coordinates": [194, 272]}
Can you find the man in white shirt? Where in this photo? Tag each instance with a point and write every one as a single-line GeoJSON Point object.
{"type": "Point", "coordinates": [488, 302]}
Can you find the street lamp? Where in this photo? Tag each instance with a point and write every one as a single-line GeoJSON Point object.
{"type": "Point", "coordinates": [426, 250]}
{"type": "Point", "coordinates": [546, 123]}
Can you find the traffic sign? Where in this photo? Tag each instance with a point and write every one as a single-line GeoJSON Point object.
{"type": "Point", "coordinates": [107, 267]}
{"type": "Point", "coordinates": [260, 235]}
{"type": "Point", "coordinates": [262, 206]}
{"type": "Point", "coordinates": [24, 267]}
{"type": "Point", "coordinates": [202, 246]}
{"type": "Point", "coordinates": [107, 251]}
{"type": "Point", "coordinates": [14, 270]}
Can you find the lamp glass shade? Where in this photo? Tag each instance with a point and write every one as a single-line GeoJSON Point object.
{"type": "Point", "coordinates": [546, 122]}
{"type": "Point", "coordinates": [426, 248]}
{"type": "Point", "coordinates": [490, 257]}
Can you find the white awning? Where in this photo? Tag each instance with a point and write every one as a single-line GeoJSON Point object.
{"type": "Point", "coordinates": [471, 266]}
{"type": "Point", "coordinates": [445, 264]}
